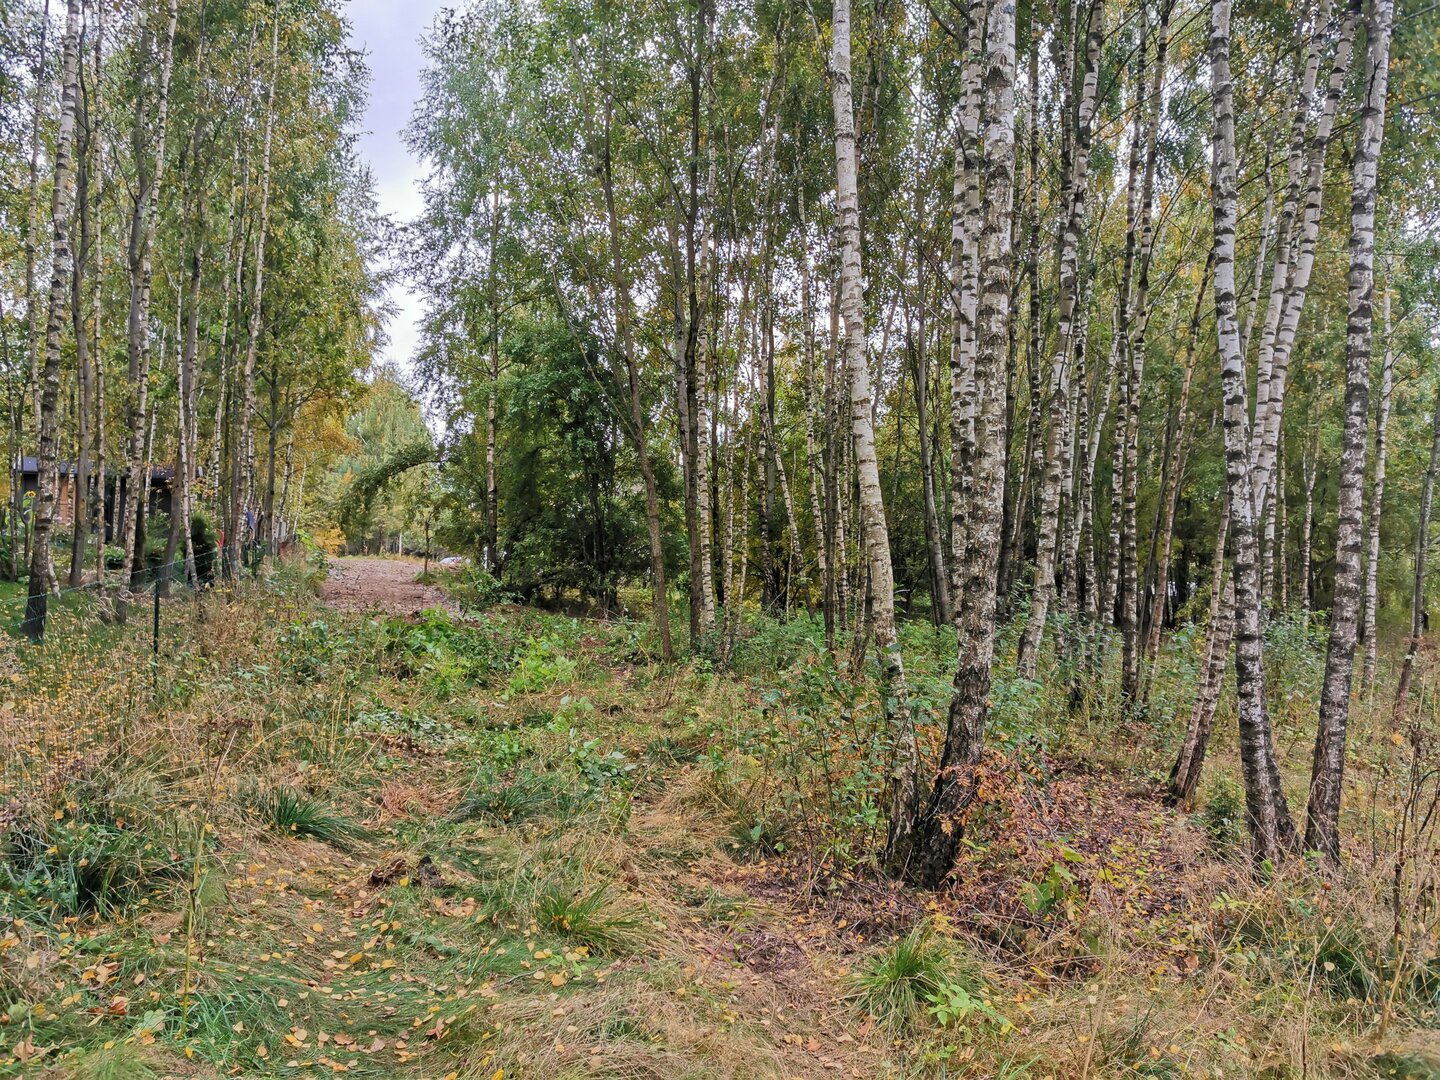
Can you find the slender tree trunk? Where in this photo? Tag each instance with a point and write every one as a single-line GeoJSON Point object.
{"type": "Point", "coordinates": [1307, 524]}
{"type": "Point", "coordinates": [1270, 402]}
{"type": "Point", "coordinates": [965, 227]}
{"type": "Point", "coordinates": [939, 828]}
{"type": "Point", "coordinates": [1322, 819]}
{"type": "Point", "coordinates": [1174, 466]}
{"type": "Point", "coordinates": [1419, 616]}
{"type": "Point", "coordinates": [815, 466]}
{"type": "Point", "coordinates": [1185, 773]}
{"type": "Point", "coordinates": [701, 437]}
{"type": "Point", "coordinates": [84, 358]}
{"type": "Point", "coordinates": [1013, 549]}
{"type": "Point", "coordinates": [188, 397]}
{"type": "Point", "coordinates": [1267, 813]}
{"type": "Point", "coordinates": [1377, 504]}
{"type": "Point", "coordinates": [1073, 228]}
{"type": "Point", "coordinates": [97, 491]}
{"type": "Point", "coordinates": [624, 309]}
{"type": "Point", "coordinates": [243, 466]}
{"type": "Point", "coordinates": [32, 227]}
{"type": "Point", "coordinates": [934, 542]}
{"type": "Point", "coordinates": [150, 154]}
{"type": "Point", "coordinates": [1131, 600]}
{"type": "Point", "coordinates": [903, 795]}
{"type": "Point", "coordinates": [492, 487]}
{"type": "Point", "coordinates": [37, 600]}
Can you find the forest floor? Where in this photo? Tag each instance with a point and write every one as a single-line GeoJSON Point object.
{"type": "Point", "coordinates": [352, 836]}
{"type": "Point", "coordinates": [367, 583]}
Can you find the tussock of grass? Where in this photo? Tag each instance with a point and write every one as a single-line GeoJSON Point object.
{"type": "Point", "coordinates": [896, 983]}
{"type": "Point", "coordinates": [291, 813]}
{"type": "Point", "coordinates": [592, 917]}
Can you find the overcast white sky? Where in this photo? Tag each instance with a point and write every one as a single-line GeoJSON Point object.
{"type": "Point", "coordinates": [389, 33]}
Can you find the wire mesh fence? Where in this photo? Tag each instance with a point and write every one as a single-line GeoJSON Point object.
{"type": "Point", "coordinates": [107, 655]}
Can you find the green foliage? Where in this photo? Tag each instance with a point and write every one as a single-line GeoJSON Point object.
{"type": "Point", "coordinates": [1054, 889]}
{"type": "Point", "coordinates": [447, 654]}
{"type": "Point", "coordinates": [88, 865]}
{"type": "Point", "coordinates": [599, 768]}
{"type": "Point", "coordinates": [541, 665]}
{"type": "Point", "coordinates": [379, 487]}
{"type": "Point", "coordinates": [291, 813]}
{"type": "Point", "coordinates": [954, 1005]}
{"type": "Point", "coordinates": [594, 918]}
{"type": "Point", "coordinates": [529, 795]}
{"type": "Point", "coordinates": [1224, 815]}
{"type": "Point", "coordinates": [901, 983]}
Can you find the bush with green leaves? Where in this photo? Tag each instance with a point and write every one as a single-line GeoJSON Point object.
{"type": "Point", "coordinates": [449, 655]}
{"type": "Point", "coordinates": [592, 917]}
{"type": "Point", "coordinates": [543, 664]}
{"type": "Point", "coordinates": [86, 864]}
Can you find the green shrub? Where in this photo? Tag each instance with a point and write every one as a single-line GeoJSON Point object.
{"type": "Point", "coordinates": [1224, 815]}
{"type": "Point", "coordinates": [76, 867]}
{"type": "Point", "coordinates": [542, 665]}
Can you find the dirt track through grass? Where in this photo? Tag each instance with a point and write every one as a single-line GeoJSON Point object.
{"type": "Point", "coordinates": [361, 583]}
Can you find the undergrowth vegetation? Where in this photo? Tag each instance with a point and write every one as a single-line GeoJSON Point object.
{"type": "Point", "coordinates": [508, 843]}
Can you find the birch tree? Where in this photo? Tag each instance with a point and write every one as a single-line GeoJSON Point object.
{"type": "Point", "coordinates": [62, 194]}
{"type": "Point", "coordinates": [1267, 813]}
{"type": "Point", "coordinates": [903, 794]}
{"type": "Point", "coordinates": [1322, 820]}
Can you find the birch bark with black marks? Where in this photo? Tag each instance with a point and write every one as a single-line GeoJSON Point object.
{"type": "Point", "coordinates": [243, 453]}
{"type": "Point", "coordinates": [902, 795]}
{"type": "Point", "coordinates": [939, 830]}
{"type": "Point", "coordinates": [85, 356]}
{"type": "Point", "coordinates": [1267, 813]}
{"type": "Point", "coordinates": [1377, 506]}
{"type": "Point", "coordinates": [1270, 401]}
{"type": "Point", "coordinates": [188, 397]}
{"type": "Point", "coordinates": [47, 456]}
{"type": "Point", "coordinates": [32, 227]}
{"type": "Point", "coordinates": [1130, 600]}
{"type": "Point", "coordinates": [965, 226]}
{"type": "Point", "coordinates": [1072, 229]}
{"type": "Point", "coordinates": [150, 160]}
{"type": "Point", "coordinates": [492, 394]}
{"type": "Point", "coordinates": [1322, 818]}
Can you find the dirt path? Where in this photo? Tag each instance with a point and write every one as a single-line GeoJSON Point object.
{"type": "Point", "coordinates": [388, 585]}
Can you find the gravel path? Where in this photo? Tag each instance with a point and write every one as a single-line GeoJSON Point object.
{"type": "Point", "coordinates": [371, 584]}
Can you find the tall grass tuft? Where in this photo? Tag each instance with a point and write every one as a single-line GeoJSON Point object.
{"type": "Point", "coordinates": [591, 918]}
{"type": "Point", "coordinates": [294, 814]}
{"type": "Point", "coordinates": [897, 983]}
